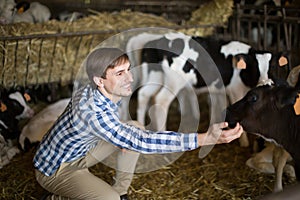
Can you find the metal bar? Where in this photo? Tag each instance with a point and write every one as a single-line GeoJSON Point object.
{"type": "Point", "coordinates": [278, 37]}
{"type": "Point", "coordinates": [64, 63]}
{"type": "Point", "coordinates": [97, 32]}
{"type": "Point", "coordinates": [76, 55]}
{"type": "Point", "coordinates": [259, 36]}
{"type": "Point", "coordinates": [3, 61]}
{"type": "Point", "coordinates": [265, 27]}
{"type": "Point", "coordinates": [27, 64]}
{"type": "Point", "coordinates": [53, 55]}
{"type": "Point", "coordinates": [15, 63]}
{"type": "Point", "coordinates": [39, 61]}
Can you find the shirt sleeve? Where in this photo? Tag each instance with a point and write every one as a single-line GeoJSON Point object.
{"type": "Point", "coordinates": [143, 141]}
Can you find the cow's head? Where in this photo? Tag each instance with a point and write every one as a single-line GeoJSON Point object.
{"type": "Point", "coordinates": [262, 67]}
{"type": "Point", "coordinates": [15, 104]}
{"type": "Point", "coordinates": [264, 109]}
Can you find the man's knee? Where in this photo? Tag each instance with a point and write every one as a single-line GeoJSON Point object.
{"type": "Point", "coordinates": [110, 196]}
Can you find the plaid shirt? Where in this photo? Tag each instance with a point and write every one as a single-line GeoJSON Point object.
{"type": "Point", "coordinates": [91, 117]}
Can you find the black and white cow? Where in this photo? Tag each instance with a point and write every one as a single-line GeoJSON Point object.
{"type": "Point", "coordinates": [10, 111]}
{"type": "Point", "coordinates": [175, 61]}
{"type": "Point", "coordinates": [22, 97]}
{"type": "Point", "coordinates": [134, 48]}
{"type": "Point", "coordinates": [270, 112]}
{"type": "Point", "coordinates": [13, 107]}
{"type": "Point", "coordinates": [33, 12]}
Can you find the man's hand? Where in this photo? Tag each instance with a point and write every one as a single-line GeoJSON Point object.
{"type": "Point", "coordinates": [217, 135]}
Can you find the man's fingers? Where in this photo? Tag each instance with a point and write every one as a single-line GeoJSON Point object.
{"type": "Point", "coordinates": [232, 134]}
{"type": "Point", "coordinates": [223, 125]}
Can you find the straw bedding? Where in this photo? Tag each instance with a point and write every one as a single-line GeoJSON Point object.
{"type": "Point", "coordinates": [221, 175]}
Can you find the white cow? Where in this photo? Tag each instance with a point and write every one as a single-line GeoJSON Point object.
{"type": "Point", "coordinates": [38, 125]}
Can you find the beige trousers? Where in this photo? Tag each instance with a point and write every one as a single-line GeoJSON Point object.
{"type": "Point", "coordinates": [74, 181]}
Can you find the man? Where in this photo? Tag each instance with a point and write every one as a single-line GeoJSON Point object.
{"type": "Point", "coordinates": [90, 130]}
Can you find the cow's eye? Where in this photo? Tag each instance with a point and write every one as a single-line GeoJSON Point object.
{"type": "Point", "coordinates": [252, 98]}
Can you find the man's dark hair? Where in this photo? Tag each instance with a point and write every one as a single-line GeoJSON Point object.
{"type": "Point", "coordinates": [101, 59]}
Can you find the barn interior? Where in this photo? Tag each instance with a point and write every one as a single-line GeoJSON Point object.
{"type": "Point", "coordinates": [49, 55]}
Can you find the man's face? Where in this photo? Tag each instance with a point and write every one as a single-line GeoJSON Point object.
{"type": "Point", "coordinates": [118, 82]}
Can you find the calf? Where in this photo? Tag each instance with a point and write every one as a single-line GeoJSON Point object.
{"type": "Point", "coordinates": [7, 8]}
{"type": "Point", "coordinates": [38, 125]}
{"type": "Point", "coordinates": [176, 61]}
{"type": "Point", "coordinates": [21, 97]}
{"type": "Point", "coordinates": [134, 47]}
{"type": "Point", "coordinates": [70, 16]}
{"type": "Point", "coordinates": [276, 156]}
{"type": "Point", "coordinates": [269, 111]}
{"type": "Point", "coordinates": [33, 12]}
{"type": "Point", "coordinates": [11, 110]}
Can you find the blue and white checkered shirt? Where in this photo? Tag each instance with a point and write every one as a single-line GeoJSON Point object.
{"type": "Point", "coordinates": [91, 117]}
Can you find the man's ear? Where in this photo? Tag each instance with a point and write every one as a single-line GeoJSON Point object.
{"type": "Point", "coordinates": [98, 81]}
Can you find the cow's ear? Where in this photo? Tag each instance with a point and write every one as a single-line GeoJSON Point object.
{"type": "Point", "coordinates": [27, 97]}
{"type": "Point", "coordinates": [297, 105]}
{"type": "Point", "coordinates": [287, 97]}
{"type": "Point", "coordinates": [239, 62]}
{"type": "Point", "coordinates": [3, 107]}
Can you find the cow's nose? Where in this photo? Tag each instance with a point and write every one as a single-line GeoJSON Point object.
{"type": "Point", "coordinates": [228, 118]}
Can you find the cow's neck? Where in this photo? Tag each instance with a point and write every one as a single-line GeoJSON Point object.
{"type": "Point", "coordinates": [288, 133]}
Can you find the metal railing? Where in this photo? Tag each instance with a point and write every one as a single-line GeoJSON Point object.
{"type": "Point", "coordinates": [46, 58]}
{"type": "Point", "coordinates": [269, 28]}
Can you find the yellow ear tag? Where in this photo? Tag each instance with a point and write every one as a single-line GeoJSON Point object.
{"type": "Point", "coordinates": [241, 64]}
{"type": "Point", "coordinates": [297, 106]}
{"type": "Point", "coordinates": [21, 10]}
{"type": "Point", "coordinates": [27, 97]}
{"type": "Point", "coordinates": [2, 107]}
{"type": "Point", "coordinates": [282, 61]}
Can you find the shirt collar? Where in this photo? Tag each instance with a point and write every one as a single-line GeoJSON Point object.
{"type": "Point", "coordinates": [101, 99]}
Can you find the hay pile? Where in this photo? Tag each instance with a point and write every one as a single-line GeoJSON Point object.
{"type": "Point", "coordinates": [214, 13]}
{"type": "Point", "coordinates": [57, 58]}
{"type": "Point", "coordinates": [105, 21]}
{"type": "Point", "coordinates": [39, 56]}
